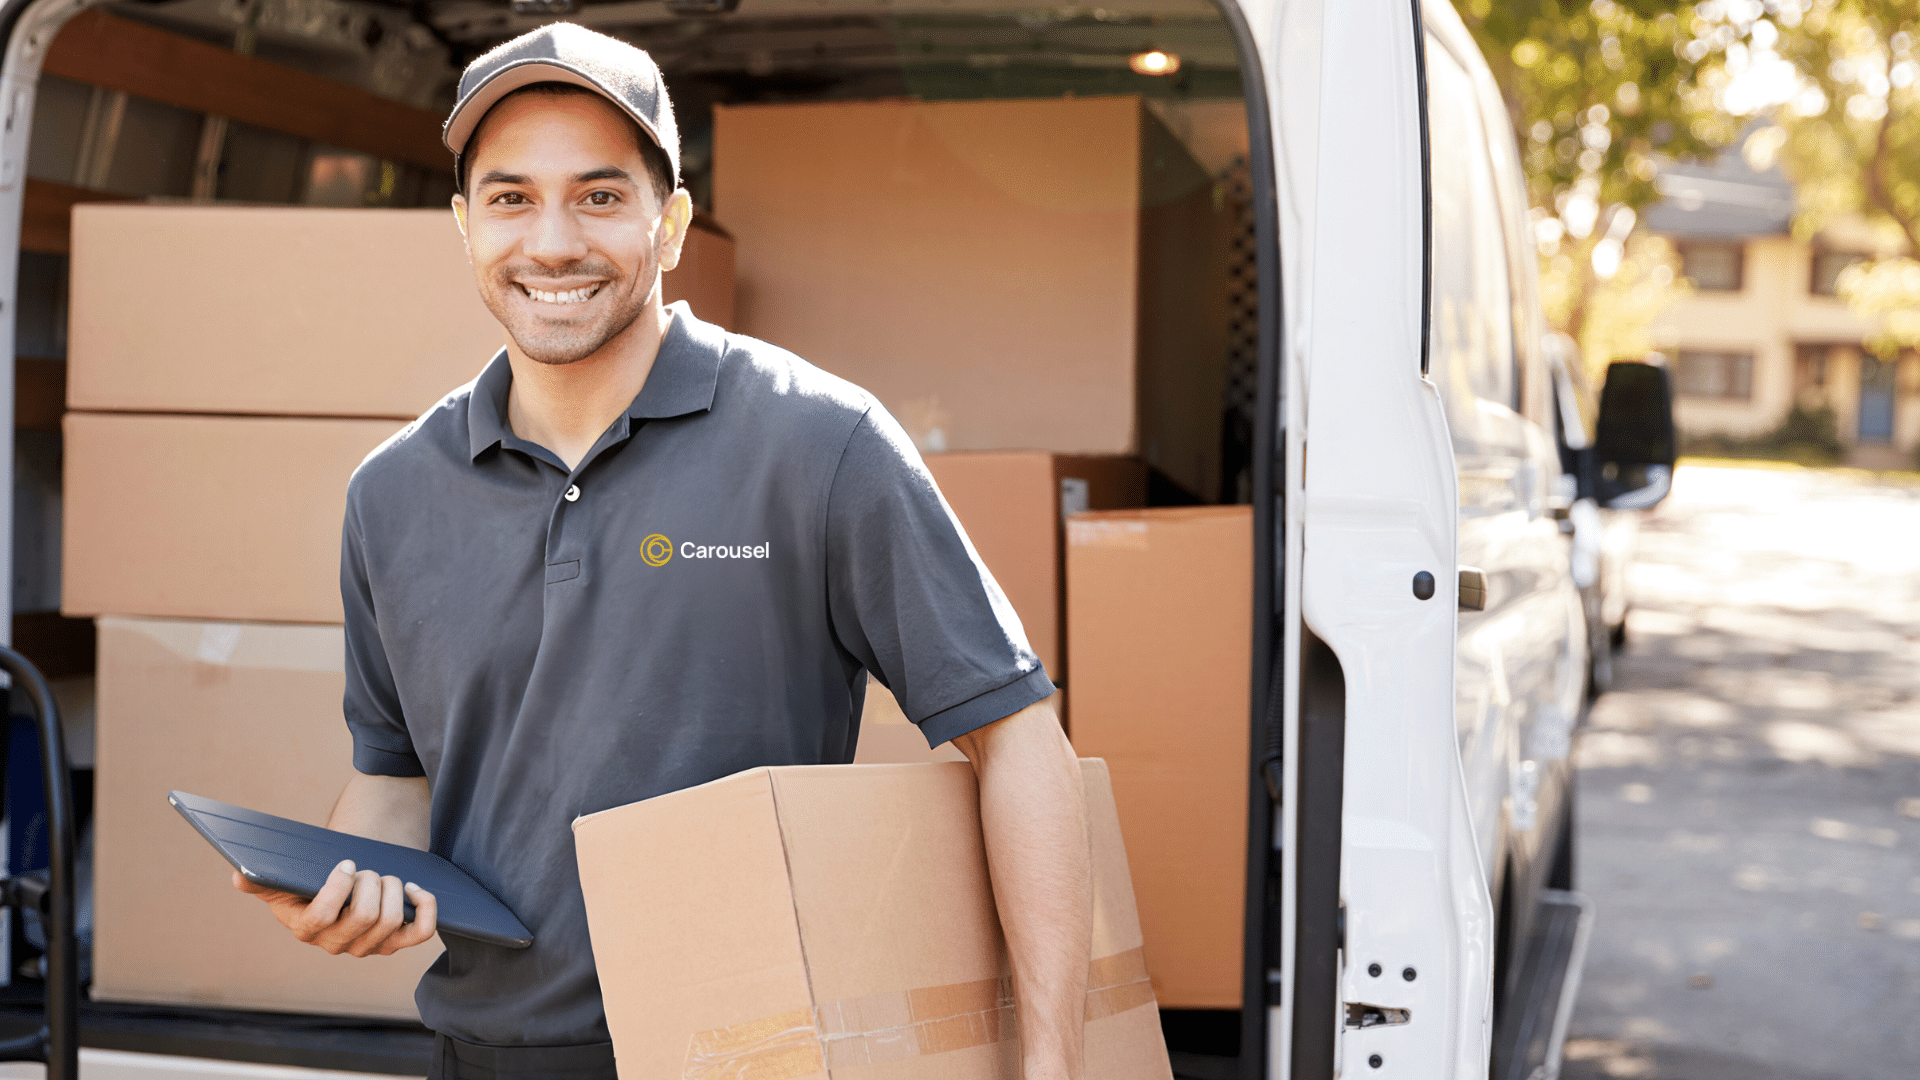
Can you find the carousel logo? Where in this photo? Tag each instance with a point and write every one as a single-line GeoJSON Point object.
{"type": "Point", "coordinates": [656, 550]}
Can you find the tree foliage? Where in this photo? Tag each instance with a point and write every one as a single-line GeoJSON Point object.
{"type": "Point", "coordinates": [1853, 127]}
{"type": "Point", "coordinates": [1849, 135]}
{"type": "Point", "coordinates": [1599, 94]}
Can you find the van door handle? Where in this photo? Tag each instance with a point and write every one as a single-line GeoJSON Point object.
{"type": "Point", "coordinates": [1473, 589]}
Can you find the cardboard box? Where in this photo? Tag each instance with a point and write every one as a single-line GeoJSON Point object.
{"type": "Point", "coordinates": [296, 311]}
{"type": "Point", "coordinates": [1159, 629]}
{"type": "Point", "coordinates": [1012, 504]}
{"type": "Point", "coordinates": [245, 713]}
{"type": "Point", "coordinates": [796, 922]}
{"type": "Point", "coordinates": [1046, 273]}
{"type": "Point", "coordinates": [214, 517]}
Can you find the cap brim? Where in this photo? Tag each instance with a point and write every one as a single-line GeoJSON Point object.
{"type": "Point", "coordinates": [469, 112]}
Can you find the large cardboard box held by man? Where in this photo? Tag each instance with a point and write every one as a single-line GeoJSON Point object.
{"type": "Point", "coordinates": [217, 517]}
{"type": "Point", "coordinates": [813, 921]}
{"type": "Point", "coordinates": [1046, 274]}
{"type": "Point", "coordinates": [1159, 629]}
{"type": "Point", "coordinates": [295, 310]}
{"type": "Point", "coordinates": [245, 713]}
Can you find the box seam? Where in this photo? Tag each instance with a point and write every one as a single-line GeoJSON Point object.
{"type": "Point", "coordinates": [799, 931]}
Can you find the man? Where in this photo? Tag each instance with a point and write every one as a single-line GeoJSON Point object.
{"type": "Point", "coordinates": [528, 640]}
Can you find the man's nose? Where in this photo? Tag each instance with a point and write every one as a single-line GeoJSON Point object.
{"type": "Point", "coordinates": [555, 237]}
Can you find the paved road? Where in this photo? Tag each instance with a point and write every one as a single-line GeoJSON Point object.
{"type": "Point", "coordinates": [1750, 794]}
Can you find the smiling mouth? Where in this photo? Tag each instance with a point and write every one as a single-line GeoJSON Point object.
{"type": "Point", "coordinates": [569, 296]}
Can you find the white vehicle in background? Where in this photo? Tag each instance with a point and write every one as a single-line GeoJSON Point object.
{"type": "Point", "coordinates": [1604, 537]}
{"type": "Point", "coordinates": [1420, 646]}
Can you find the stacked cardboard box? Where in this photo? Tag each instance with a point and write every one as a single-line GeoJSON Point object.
{"type": "Point", "coordinates": [1159, 624]}
{"type": "Point", "coordinates": [1012, 505]}
{"type": "Point", "coordinates": [248, 712]}
{"type": "Point", "coordinates": [1046, 274]}
{"type": "Point", "coordinates": [218, 416]}
{"type": "Point", "coordinates": [296, 312]}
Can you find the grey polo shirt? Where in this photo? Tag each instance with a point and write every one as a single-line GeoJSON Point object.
{"type": "Point", "coordinates": [703, 594]}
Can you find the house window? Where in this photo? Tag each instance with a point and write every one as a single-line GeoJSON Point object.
{"type": "Point", "coordinates": [1712, 374]}
{"type": "Point", "coordinates": [1713, 267]}
{"type": "Point", "coordinates": [1827, 266]}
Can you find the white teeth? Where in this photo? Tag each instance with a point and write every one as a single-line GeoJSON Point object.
{"type": "Point", "coordinates": [571, 296]}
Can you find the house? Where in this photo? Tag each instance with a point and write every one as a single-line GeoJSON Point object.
{"type": "Point", "coordinates": [1763, 329]}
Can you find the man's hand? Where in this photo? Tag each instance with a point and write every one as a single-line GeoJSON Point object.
{"type": "Point", "coordinates": [355, 913]}
{"type": "Point", "coordinates": [1034, 820]}
{"type": "Point", "coordinates": [360, 913]}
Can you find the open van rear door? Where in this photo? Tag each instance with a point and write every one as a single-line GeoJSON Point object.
{"type": "Point", "coordinates": [1370, 885]}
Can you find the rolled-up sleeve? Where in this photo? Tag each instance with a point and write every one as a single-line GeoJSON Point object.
{"type": "Point", "coordinates": [381, 744]}
{"type": "Point", "coordinates": [910, 598]}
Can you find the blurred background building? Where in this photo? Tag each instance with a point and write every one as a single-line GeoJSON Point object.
{"type": "Point", "coordinates": [1764, 331]}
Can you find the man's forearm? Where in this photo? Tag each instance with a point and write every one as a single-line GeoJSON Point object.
{"type": "Point", "coordinates": [1033, 817]}
{"type": "Point", "coordinates": [396, 809]}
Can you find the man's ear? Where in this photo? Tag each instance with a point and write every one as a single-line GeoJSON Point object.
{"type": "Point", "coordinates": [460, 213]}
{"type": "Point", "coordinates": [675, 219]}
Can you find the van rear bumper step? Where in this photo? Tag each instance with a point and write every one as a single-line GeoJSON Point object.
{"type": "Point", "coordinates": [1529, 1040]}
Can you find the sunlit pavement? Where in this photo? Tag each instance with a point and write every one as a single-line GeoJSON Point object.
{"type": "Point", "coordinates": [1750, 793]}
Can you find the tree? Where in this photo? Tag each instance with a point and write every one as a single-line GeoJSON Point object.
{"type": "Point", "coordinates": [1849, 135]}
{"type": "Point", "coordinates": [1599, 93]}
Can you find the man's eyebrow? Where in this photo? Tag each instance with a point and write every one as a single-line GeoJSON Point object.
{"type": "Point", "coordinates": [604, 172]}
{"type": "Point", "coordinates": [497, 177]}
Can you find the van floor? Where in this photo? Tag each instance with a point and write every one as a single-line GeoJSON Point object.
{"type": "Point", "coordinates": [323, 1042]}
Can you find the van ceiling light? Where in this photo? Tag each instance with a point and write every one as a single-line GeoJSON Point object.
{"type": "Point", "coordinates": [1154, 62]}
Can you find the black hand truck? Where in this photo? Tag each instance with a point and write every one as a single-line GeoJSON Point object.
{"type": "Point", "coordinates": [57, 1043]}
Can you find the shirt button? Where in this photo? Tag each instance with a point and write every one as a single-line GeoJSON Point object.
{"type": "Point", "coordinates": [573, 493]}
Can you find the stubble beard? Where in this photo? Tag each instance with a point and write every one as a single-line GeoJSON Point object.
{"type": "Point", "coordinates": [557, 339]}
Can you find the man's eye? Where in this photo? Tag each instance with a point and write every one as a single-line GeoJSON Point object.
{"type": "Point", "coordinates": [510, 198]}
{"type": "Point", "coordinates": [602, 198]}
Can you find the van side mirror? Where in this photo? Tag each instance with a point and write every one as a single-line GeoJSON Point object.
{"type": "Point", "coordinates": [1634, 442]}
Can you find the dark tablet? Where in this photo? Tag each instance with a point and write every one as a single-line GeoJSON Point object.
{"type": "Point", "coordinates": [296, 857]}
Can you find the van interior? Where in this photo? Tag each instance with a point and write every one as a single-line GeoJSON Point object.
{"type": "Point", "coordinates": [1023, 226]}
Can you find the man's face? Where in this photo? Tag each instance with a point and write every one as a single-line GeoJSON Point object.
{"type": "Point", "coordinates": [565, 233]}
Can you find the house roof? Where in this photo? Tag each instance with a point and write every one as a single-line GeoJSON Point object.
{"type": "Point", "coordinates": [1721, 200]}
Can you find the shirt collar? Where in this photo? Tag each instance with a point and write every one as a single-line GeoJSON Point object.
{"type": "Point", "coordinates": [685, 372]}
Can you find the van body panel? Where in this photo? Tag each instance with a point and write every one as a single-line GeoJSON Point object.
{"type": "Point", "coordinates": [1522, 664]}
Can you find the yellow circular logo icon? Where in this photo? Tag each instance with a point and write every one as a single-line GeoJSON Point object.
{"type": "Point", "coordinates": [656, 550]}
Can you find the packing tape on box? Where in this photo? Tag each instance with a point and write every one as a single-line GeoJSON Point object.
{"type": "Point", "coordinates": [897, 1025]}
{"type": "Point", "coordinates": [1107, 533]}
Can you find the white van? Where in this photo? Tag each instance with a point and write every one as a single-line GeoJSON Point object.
{"type": "Point", "coordinates": [1419, 649]}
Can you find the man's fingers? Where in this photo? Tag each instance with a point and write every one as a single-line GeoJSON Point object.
{"type": "Point", "coordinates": [355, 911]}
{"type": "Point", "coordinates": [362, 911]}
{"type": "Point", "coordinates": [361, 908]}
{"type": "Point", "coordinates": [321, 912]}
{"type": "Point", "coordinates": [392, 910]}
{"type": "Point", "coordinates": [426, 920]}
